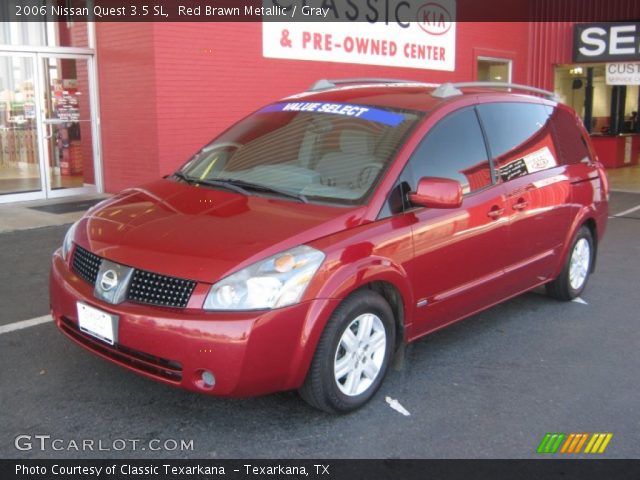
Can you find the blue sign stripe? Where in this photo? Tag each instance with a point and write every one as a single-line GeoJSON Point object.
{"type": "Point", "coordinates": [346, 109]}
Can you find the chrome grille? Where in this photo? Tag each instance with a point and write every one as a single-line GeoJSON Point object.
{"type": "Point", "coordinates": [154, 289]}
{"type": "Point", "coordinates": [86, 264]}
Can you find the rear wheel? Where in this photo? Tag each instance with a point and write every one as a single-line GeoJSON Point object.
{"type": "Point", "coordinates": [575, 274]}
{"type": "Point", "coordinates": [353, 354]}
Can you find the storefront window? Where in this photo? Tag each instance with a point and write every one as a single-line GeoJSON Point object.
{"type": "Point", "coordinates": [631, 108]}
{"type": "Point", "coordinates": [606, 109]}
{"type": "Point", "coordinates": [601, 117]}
{"type": "Point", "coordinates": [494, 70]}
{"type": "Point", "coordinates": [19, 165]}
{"type": "Point", "coordinates": [570, 85]}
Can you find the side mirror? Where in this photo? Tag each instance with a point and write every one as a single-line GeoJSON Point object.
{"type": "Point", "coordinates": [435, 192]}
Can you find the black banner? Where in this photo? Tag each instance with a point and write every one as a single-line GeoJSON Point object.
{"type": "Point", "coordinates": [601, 42]}
{"type": "Point", "coordinates": [372, 11]}
{"type": "Point", "coordinates": [319, 469]}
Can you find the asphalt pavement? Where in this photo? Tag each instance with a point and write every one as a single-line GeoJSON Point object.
{"type": "Point", "coordinates": [488, 387]}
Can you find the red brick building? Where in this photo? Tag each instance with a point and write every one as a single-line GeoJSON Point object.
{"type": "Point", "coordinates": [145, 96]}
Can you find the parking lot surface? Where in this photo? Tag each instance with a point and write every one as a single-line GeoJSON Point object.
{"type": "Point", "coordinates": [489, 387]}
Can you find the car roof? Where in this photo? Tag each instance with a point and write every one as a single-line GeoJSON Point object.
{"type": "Point", "coordinates": [407, 95]}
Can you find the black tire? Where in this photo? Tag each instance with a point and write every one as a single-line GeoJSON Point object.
{"type": "Point", "coordinates": [321, 389]}
{"type": "Point", "coordinates": [562, 288]}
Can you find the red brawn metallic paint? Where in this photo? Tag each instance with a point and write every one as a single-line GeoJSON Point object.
{"type": "Point", "coordinates": [437, 261]}
{"type": "Point", "coordinates": [437, 193]}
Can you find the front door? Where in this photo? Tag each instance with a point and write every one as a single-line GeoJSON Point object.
{"type": "Point", "coordinates": [47, 127]}
{"type": "Point", "coordinates": [458, 253]}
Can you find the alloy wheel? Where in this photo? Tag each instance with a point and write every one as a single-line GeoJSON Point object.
{"type": "Point", "coordinates": [360, 354]}
{"type": "Point", "coordinates": [580, 263]}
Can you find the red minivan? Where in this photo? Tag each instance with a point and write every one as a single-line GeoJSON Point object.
{"type": "Point", "coordinates": [305, 244]}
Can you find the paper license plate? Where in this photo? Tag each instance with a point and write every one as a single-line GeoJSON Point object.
{"type": "Point", "coordinates": [97, 323]}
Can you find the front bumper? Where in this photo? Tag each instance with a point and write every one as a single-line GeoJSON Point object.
{"type": "Point", "coordinates": [249, 353]}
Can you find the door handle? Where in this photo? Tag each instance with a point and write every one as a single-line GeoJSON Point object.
{"type": "Point", "coordinates": [521, 204]}
{"type": "Point", "coordinates": [495, 212]}
{"type": "Point", "coordinates": [49, 131]}
{"type": "Point", "coordinates": [49, 124]}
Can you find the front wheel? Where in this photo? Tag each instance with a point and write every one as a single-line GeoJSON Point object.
{"type": "Point", "coordinates": [353, 354]}
{"type": "Point", "coordinates": [573, 278]}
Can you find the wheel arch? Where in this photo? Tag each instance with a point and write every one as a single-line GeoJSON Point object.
{"type": "Point", "coordinates": [389, 282]}
{"type": "Point", "coordinates": [393, 297]}
{"type": "Point", "coordinates": [590, 223]}
{"type": "Point", "coordinates": [587, 218]}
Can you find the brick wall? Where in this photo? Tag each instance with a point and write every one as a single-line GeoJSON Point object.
{"type": "Point", "coordinates": [128, 103]}
{"type": "Point", "coordinates": [167, 88]}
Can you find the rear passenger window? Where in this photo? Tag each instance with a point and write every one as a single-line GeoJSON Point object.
{"type": "Point", "coordinates": [453, 149]}
{"type": "Point", "coordinates": [519, 137]}
{"type": "Point", "coordinates": [568, 138]}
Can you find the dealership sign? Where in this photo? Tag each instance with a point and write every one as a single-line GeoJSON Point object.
{"type": "Point", "coordinates": [396, 33]}
{"type": "Point", "coordinates": [627, 73]}
{"type": "Point", "coordinates": [594, 42]}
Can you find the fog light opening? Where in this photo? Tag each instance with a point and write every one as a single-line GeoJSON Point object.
{"type": "Point", "coordinates": [208, 379]}
{"type": "Point", "coordinates": [205, 379]}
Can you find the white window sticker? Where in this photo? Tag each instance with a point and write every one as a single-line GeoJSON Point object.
{"type": "Point", "coordinates": [539, 160]}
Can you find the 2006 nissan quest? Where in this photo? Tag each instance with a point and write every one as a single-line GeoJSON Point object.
{"type": "Point", "coordinates": [305, 244]}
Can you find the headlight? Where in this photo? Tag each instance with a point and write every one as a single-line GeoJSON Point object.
{"type": "Point", "coordinates": [275, 282]}
{"type": "Point", "coordinates": [68, 241]}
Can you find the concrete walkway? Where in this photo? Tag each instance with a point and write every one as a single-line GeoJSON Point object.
{"type": "Point", "coordinates": [21, 216]}
{"type": "Point", "coordinates": [624, 179]}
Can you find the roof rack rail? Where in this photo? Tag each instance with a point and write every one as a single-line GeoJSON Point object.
{"type": "Point", "coordinates": [451, 89]}
{"type": "Point", "coordinates": [325, 84]}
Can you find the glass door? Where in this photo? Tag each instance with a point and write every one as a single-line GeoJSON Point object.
{"type": "Point", "coordinates": [47, 137]}
{"type": "Point", "coordinates": [68, 146]}
{"type": "Point", "coordinates": [21, 174]}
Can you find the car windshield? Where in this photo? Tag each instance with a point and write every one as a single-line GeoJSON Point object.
{"type": "Point", "coordinates": [310, 151]}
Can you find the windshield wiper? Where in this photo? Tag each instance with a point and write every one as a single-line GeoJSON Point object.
{"type": "Point", "coordinates": [211, 182]}
{"type": "Point", "coordinates": [239, 186]}
{"type": "Point", "coordinates": [182, 176]}
{"type": "Point", "coordinates": [222, 183]}
{"type": "Point", "coordinates": [264, 188]}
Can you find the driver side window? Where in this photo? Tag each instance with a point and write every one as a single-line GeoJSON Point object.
{"type": "Point", "coordinates": [454, 148]}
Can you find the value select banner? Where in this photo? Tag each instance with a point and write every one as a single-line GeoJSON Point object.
{"type": "Point", "coordinates": [414, 34]}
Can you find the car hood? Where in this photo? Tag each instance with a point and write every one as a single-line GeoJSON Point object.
{"type": "Point", "coordinates": [202, 233]}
